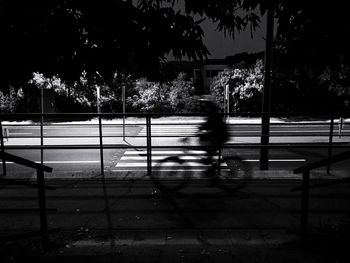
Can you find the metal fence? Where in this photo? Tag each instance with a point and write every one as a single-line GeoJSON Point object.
{"type": "Point", "coordinates": [334, 133]}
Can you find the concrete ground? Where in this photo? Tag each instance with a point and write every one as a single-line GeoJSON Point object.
{"type": "Point", "coordinates": [185, 246]}
{"type": "Point", "coordinates": [259, 224]}
{"type": "Point", "coordinates": [193, 244]}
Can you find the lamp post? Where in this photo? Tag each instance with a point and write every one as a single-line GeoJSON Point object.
{"type": "Point", "coordinates": [227, 100]}
{"type": "Point", "coordinates": [98, 97]}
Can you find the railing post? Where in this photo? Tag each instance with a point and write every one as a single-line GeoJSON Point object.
{"type": "Point", "coordinates": [101, 144]}
{"type": "Point", "coordinates": [305, 204]}
{"type": "Point", "coordinates": [42, 208]}
{"type": "Point", "coordinates": [4, 172]}
{"type": "Point", "coordinates": [266, 100]}
{"type": "Point", "coordinates": [330, 144]}
{"type": "Point", "coordinates": [149, 145]}
{"type": "Point", "coordinates": [41, 126]}
{"type": "Point", "coordinates": [219, 161]}
{"type": "Point", "coordinates": [340, 126]}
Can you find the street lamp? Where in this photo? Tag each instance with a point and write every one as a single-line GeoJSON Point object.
{"type": "Point", "coordinates": [227, 100]}
{"type": "Point", "coordinates": [98, 95]}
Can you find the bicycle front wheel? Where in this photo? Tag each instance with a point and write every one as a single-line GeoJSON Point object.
{"type": "Point", "coordinates": [233, 173]}
{"type": "Point", "coordinates": [169, 175]}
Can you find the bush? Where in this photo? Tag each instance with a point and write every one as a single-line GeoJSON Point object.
{"type": "Point", "coordinates": [176, 96]}
{"type": "Point", "coordinates": [245, 85]}
{"type": "Point", "coordinates": [181, 95]}
{"type": "Point", "coordinates": [11, 101]}
{"type": "Point", "coordinates": [151, 97]}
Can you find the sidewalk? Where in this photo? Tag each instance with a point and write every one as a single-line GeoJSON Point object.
{"type": "Point", "coordinates": [251, 226]}
{"type": "Point", "coordinates": [174, 245]}
{"type": "Point", "coordinates": [185, 246]}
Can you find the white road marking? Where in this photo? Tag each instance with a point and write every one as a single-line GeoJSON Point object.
{"type": "Point", "coordinates": [23, 133]}
{"type": "Point", "coordinates": [20, 133]}
{"type": "Point", "coordinates": [164, 170]}
{"type": "Point", "coordinates": [276, 160]}
{"type": "Point", "coordinates": [136, 160]}
{"type": "Point", "coordinates": [170, 152]}
{"type": "Point", "coordinates": [173, 164]}
{"type": "Point", "coordinates": [140, 158]}
{"type": "Point", "coordinates": [54, 162]}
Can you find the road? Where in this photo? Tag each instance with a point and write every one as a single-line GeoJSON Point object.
{"type": "Point", "coordinates": [170, 129]}
{"type": "Point", "coordinates": [80, 162]}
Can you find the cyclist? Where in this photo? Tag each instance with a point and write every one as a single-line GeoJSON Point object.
{"type": "Point", "coordinates": [213, 132]}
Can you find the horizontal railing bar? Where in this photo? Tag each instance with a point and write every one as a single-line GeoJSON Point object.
{"type": "Point", "coordinates": [163, 136]}
{"type": "Point", "coordinates": [27, 235]}
{"type": "Point", "coordinates": [333, 159]}
{"type": "Point", "coordinates": [24, 210]}
{"type": "Point", "coordinates": [272, 124]}
{"type": "Point", "coordinates": [25, 162]}
{"type": "Point", "coordinates": [329, 182]}
{"type": "Point", "coordinates": [238, 114]}
{"type": "Point", "coordinates": [113, 146]}
{"type": "Point", "coordinates": [24, 183]}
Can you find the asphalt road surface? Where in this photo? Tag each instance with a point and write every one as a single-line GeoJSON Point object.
{"type": "Point", "coordinates": [168, 129]}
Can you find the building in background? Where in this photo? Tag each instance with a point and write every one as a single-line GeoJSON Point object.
{"type": "Point", "coordinates": [204, 72]}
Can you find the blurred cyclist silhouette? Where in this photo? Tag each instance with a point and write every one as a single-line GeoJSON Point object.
{"type": "Point", "coordinates": [213, 132]}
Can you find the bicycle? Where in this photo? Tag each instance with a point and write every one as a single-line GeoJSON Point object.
{"type": "Point", "coordinates": [230, 173]}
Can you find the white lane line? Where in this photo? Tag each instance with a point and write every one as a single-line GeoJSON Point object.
{"type": "Point", "coordinates": [23, 133]}
{"type": "Point", "coordinates": [71, 162]}
{"type": "Point", "coordinates": [162, 152]}
{"type": "Point", "coordinates": [276, 160]}
{"type": "Point", "coordinates": [164, 170]}
{"type": "Point", "coordinates": [20, 133]}
{"type": "Point", "coordinates": [106, 132]}
{"type": "Point", "coordinates": [144, 158]}
{"type": "Point", "coordinates": [172, 164]}
{"type": "Point", "coordinates": [126, 158]}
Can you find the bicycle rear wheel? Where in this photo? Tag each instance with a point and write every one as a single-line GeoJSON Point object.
{"type": "Point", "coordinates": [233, 173]}
{"type": "Point", "coordinates": [169, 174]}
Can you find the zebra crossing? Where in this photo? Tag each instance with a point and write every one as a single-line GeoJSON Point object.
{"type": "Point", "coordinates": [171, 130]}
{"type": "Point", "coordinates": [133, 160]}
{"type": "Point", "coordinates": [176, 130]}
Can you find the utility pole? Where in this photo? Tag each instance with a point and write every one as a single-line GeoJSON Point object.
{"type": "Point", "coordinates": [266, 100]}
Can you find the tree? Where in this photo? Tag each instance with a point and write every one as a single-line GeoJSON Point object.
{"type": "Point", "coordinates": [66, 37]}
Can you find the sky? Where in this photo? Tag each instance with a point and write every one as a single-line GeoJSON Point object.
{"type": "Point", "coordinates": [221, 46]}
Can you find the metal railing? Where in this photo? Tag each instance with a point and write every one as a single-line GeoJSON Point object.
{"type": "Point", "coordinates": [305, 171]}
{"type": "Point", "coordinates": [147, 121]}
{"type": "Point", "coordinates": [40, 185]}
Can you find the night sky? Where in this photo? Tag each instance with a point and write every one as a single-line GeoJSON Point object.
{"type": "Point", "coordinates": [221, 46]}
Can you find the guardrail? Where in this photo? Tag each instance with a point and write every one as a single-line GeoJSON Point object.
{"type": "Point", "coordinates": [305, 170]}
{"type": "Point", "coordinates": [41, 169]}
{"type": "Point", "coordinates": [148, 120]}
